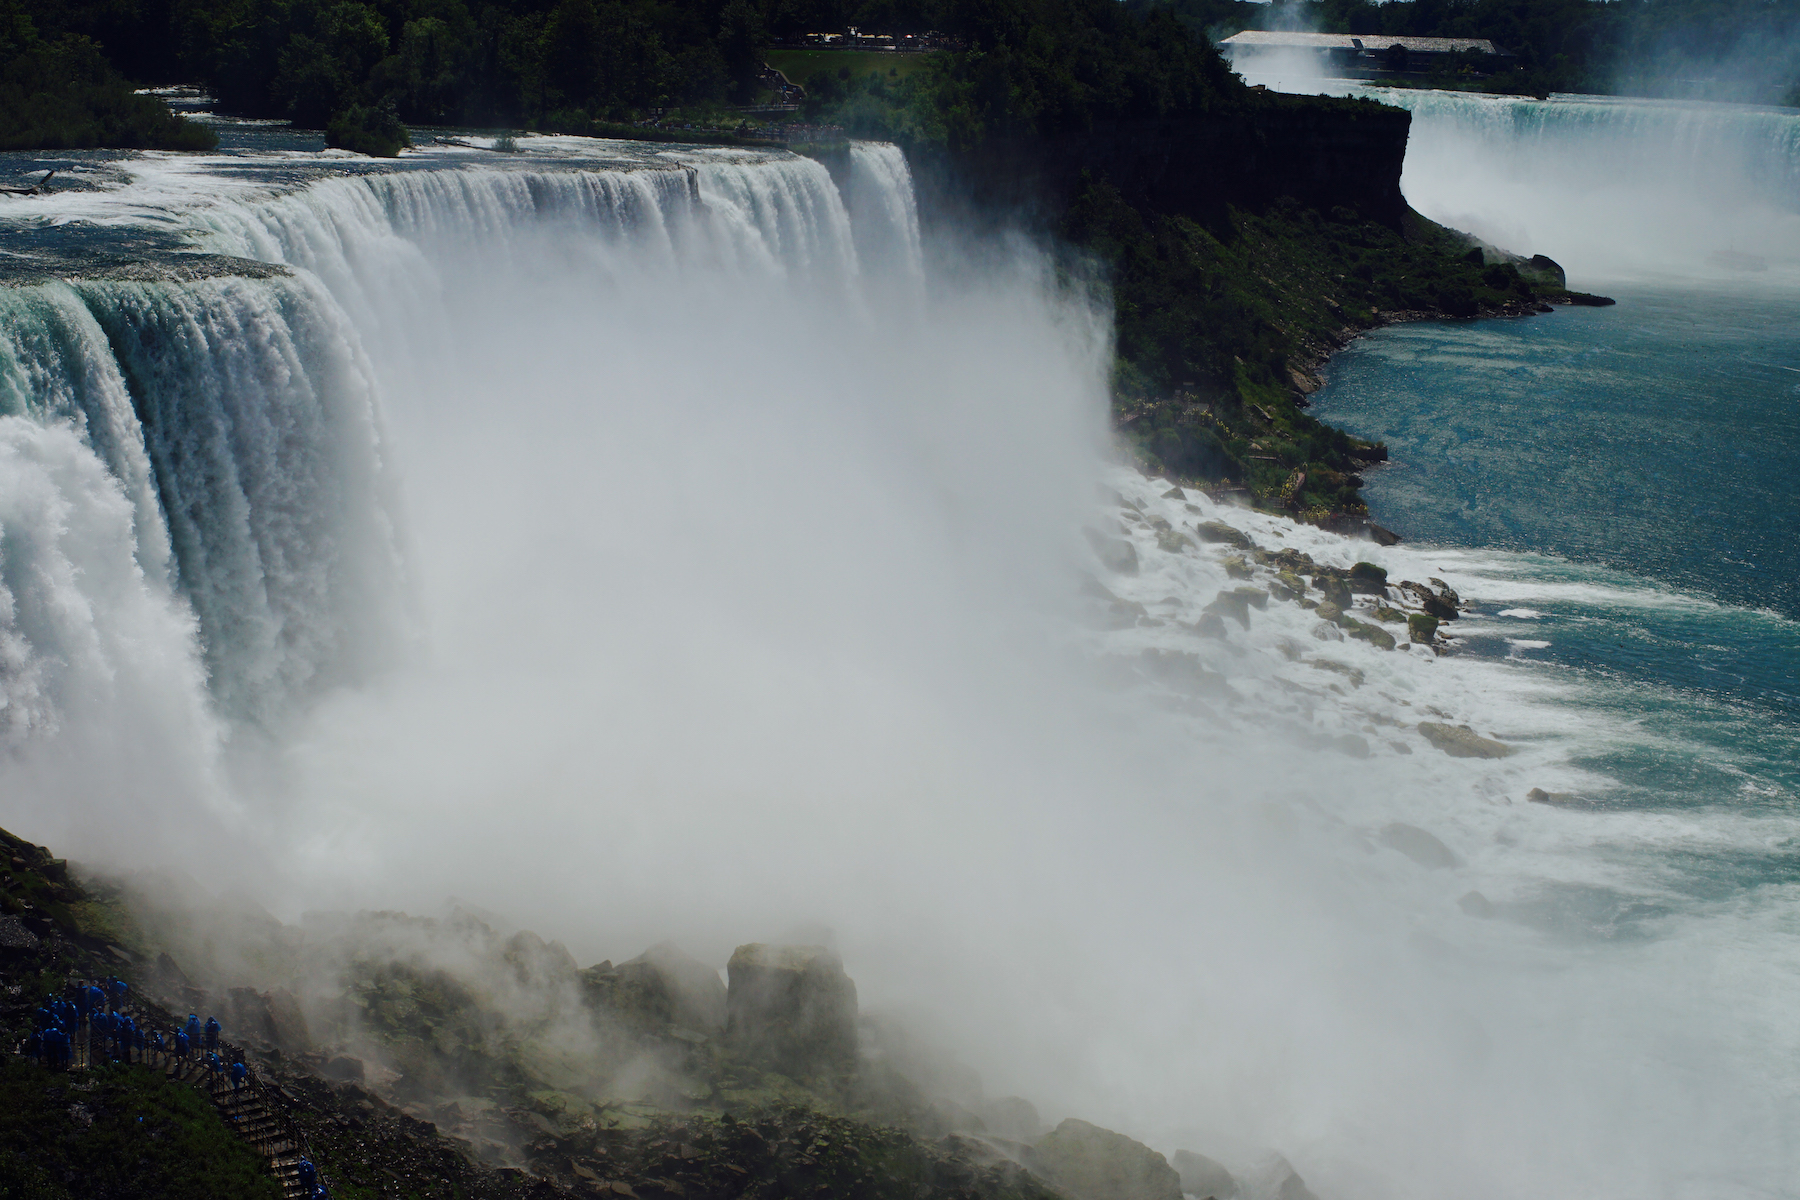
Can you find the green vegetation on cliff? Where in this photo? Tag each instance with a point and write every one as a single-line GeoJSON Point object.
{"type": "Point", "coordinates": [1220, 322]}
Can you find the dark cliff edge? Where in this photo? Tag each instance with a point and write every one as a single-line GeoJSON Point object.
{"type": "Point", "coordinates": [1242, 246]}
{"type": "Point", "coordinates": [1320, 153]}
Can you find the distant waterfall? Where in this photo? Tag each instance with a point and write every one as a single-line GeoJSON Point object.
{"type": "Point", "coordinates": [1612, 186]}
{"type": "Point", "coordinates": [239, 419]}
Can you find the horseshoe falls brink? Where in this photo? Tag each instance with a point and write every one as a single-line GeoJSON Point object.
{"type": "Point", "coordinates": [648, 542]}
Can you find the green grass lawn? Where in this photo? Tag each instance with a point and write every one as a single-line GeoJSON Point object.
{"type": "Point", "coordinates": [798, 64]}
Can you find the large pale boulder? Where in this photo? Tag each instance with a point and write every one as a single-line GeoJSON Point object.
{"type": "Point", "coordinates": [791, 1008]}
{"type": "Point", "coordinates": [1091, 1163]}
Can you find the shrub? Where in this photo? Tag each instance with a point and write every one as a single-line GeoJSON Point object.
{"type": "Point", "coordinates": [376, 131]}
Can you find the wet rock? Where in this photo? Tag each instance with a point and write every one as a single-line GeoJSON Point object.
{"type": "Point", "coordinates": [1170, 542]}
{"type": "Point", "coordinates": [1287, 585]}
{"type": "Point", "coordinates": [1372, 634]}
{"type": "Point", "coordinates": [1440, 604]}
{"type": "Point", "coordinates": [1382, 535]}
{"type": "Point", "coordinates": [1091, 1163]}
{"type": "Point", "coordinates": [1115, 554]}
{"type": "Point", "coordinates": [1540, 796]}
{"type": "Point", "coordinates": [1237, 567]}
{"type": "Point", "coordinates": [1418, 845]}
{"type": "Point", "coordinates": [1334, 589]}
{"type": "Point", "coordinates": [1211, 625]}
{"type": "Point", "coordinates": [1476, 905]}
{"type": "Point", "coordinates": [1459, 741]}
{"type": "Point", "coordinates": [1368, 579]}
{"type": "Point", "coordinates": [791, 1007]}
{"type": "Point", "coordinates": [1233, 604]}
{"type": "Point", "coordinates": [1329, 612]}
{"type": "Point", "coordinates": [1221, 533]}
{"type": "Point", "coordinates": [1202, 1177]}
{"type": "Point", "coordinates": [1346, 670]}
{"type": "Point", "coordinates": [1421, 629]}
{"type": "Point", "coordinates": [1394, 615]}
{"type": "Point", "coordinates": [1174, 493]}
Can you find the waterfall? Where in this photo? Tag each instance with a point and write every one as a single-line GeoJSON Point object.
{"type": "Point", "coordinates": [611, 537]}
{"type": "Point", "coordinates": [1611, 187]}
{"type": "Point", "coordinates": [241, 418]}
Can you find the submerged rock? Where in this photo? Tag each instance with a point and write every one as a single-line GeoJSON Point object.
{"type": "Point", "coordinates": [1540, 796]}
{"type": "Point", "coordinates": [1202, 1177]}
{"type": "Point", "coordinates": [1476, 905]}
{"type": "Point", "coordinates": [1459, 741]}
{"type": "Point", "coordinates": [1237, 567]}
{"type": "Point", "coordinates": [1418, 845]}
{"type": "Point", "coordinates": [1234, 604]}
{"type": "Point", "coordinates": [1115, 554]}
{"type": "Point", "coordinates": [1091, 1163]}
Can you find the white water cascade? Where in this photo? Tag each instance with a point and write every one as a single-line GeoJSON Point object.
{"type": "Point", "coordinates": [649, 543]}
{"type": "Point", "coordinates": [1612, 188]}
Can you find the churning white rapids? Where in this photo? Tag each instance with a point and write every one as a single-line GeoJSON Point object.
{"type": "Point", "coordinates": [651, 543]}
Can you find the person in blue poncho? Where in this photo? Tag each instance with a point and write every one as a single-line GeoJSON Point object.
{"type": "Point", "coordinates": [308, 1174]}
{"type": "Point", "coordinates": [212, 1033]}
{"type": "Point", "coordinates": [238, 1071]}
{"type": "Point", "coordinates": [193, 1028]}
{"type": "Point", "coordinates": [183, 1045]}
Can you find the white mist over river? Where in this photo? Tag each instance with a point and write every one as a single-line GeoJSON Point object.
{"type": "Point", "coordinates": [649, 543]}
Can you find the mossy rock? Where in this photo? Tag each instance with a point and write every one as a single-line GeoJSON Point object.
{"type": "Point", "coordinates": [1237, 566]}
{"type": "Point", "coordinates": [1375, 635]}
{"type": "Point", "coordinates": [1367, 578]}
{"type": "Point", "coordinates": [1421, 628]}
{"type": "Point", "coordinates": [1220, 533]}
{"type": "Point", "coordinates": [1391, 615]}
{"type": "Point", "coordinates": [1171, 542]}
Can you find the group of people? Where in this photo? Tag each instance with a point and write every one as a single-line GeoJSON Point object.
{"type": "Point", "coordinates": [95, 1009]}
